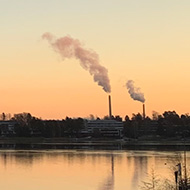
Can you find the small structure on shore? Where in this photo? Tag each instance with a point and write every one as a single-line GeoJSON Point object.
{"type": "Point", "coordinates": [7, 128]}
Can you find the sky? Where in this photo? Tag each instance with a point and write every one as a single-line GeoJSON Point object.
{"type": "Point", "coordinates": [145, 41]}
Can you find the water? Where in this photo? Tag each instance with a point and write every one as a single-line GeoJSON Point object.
{"type": "Point", "coordinates": [81, 170]}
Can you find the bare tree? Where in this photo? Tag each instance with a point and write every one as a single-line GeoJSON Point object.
{"type": "Point", "coordinates": [155, 182]}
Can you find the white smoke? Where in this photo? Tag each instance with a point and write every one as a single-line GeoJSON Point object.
{"type": "Point", "coordinates": [135, 92]}
{"type": "Point", "coordinates": [68, 47]}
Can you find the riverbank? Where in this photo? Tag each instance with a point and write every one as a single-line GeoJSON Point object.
{"type": "Point", "coordinates": [86, 143]}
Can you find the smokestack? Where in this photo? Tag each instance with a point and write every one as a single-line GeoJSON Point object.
{"type": "Point", "coordinates": [110, 112]}
{"type": "Point", "coordinates": [144, 115]}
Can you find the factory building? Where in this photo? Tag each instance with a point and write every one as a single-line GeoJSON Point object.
{"type": "Point", "coordinates": [105, 128]}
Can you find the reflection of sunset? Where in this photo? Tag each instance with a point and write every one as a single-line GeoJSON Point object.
{"type": "Point", "coordinates": [80, 169]}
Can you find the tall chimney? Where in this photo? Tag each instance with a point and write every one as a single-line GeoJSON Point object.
{"type": "Point", "coordinates": [110, 112]}
{"type": "Point", "coordinates": [144, 115]}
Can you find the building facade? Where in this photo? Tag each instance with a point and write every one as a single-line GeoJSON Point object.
{"type": "Point", "coordinates": [7, 128]}
{"type": "Point", "coordinates": [105, 128]}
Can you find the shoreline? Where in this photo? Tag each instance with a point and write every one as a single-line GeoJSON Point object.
{"type": "Point", "coordinates": [91, 144]}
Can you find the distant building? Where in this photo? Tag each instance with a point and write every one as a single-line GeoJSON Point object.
{"type": "Point", "coordinates": [105, 128]}
{"type": "Point", "coordinates": [7, 128]}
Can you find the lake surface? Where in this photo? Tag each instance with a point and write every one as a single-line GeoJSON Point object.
{"type": "Point", "coordinates": [82, 170]}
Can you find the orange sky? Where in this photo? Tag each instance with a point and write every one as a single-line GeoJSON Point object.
{"type": "Point", "coordinates": [147, 42]}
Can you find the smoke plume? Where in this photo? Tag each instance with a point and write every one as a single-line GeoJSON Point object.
{"type": "Point", "coordinates": [135, 92]}
{"type": "Point", "coordinates": [68, 47]}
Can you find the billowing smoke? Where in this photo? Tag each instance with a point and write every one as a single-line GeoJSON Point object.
{"type": "Point", "coordinates": [135, 92]}
{"type": "Point", "coordinates": [68, 47]}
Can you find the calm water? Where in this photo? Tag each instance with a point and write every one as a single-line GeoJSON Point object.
{"type": "Point", "coordinates": [80, 170]}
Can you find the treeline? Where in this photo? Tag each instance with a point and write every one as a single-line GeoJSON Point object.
{"type": "Point", "coordinates": [26, 125]}
{"type": "Point", "coordinates": [168, 125]}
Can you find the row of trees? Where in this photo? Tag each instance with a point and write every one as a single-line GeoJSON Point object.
{"type": "Point", "coordinates": [28, 125]}
{"type": "Point", "coordinates": [169, 124]}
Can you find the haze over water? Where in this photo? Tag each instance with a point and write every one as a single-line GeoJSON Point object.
{"type": "Point", "coordinates": [80, 170]}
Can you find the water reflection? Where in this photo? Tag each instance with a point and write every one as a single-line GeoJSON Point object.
{"type": "Point", "coordinates": [20, 158]}
{"type": "Point", "coordinates": [81, 170]}
{"type": "Point", "coordinates": [108, 184]}
{"type": "Point", "coordinates": [140, 170]}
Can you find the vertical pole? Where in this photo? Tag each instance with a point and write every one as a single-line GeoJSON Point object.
{"type": "Point", "coordinates": [110, 111]}
{"type": "Point", "coordinates": [144, 115]}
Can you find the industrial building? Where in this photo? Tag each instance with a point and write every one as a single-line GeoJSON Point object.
{"type": "Point", "coordinates": [105, 128]}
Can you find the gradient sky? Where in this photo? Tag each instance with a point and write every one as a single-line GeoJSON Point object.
{"type": "Point", "coordinates": [146, 41]}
